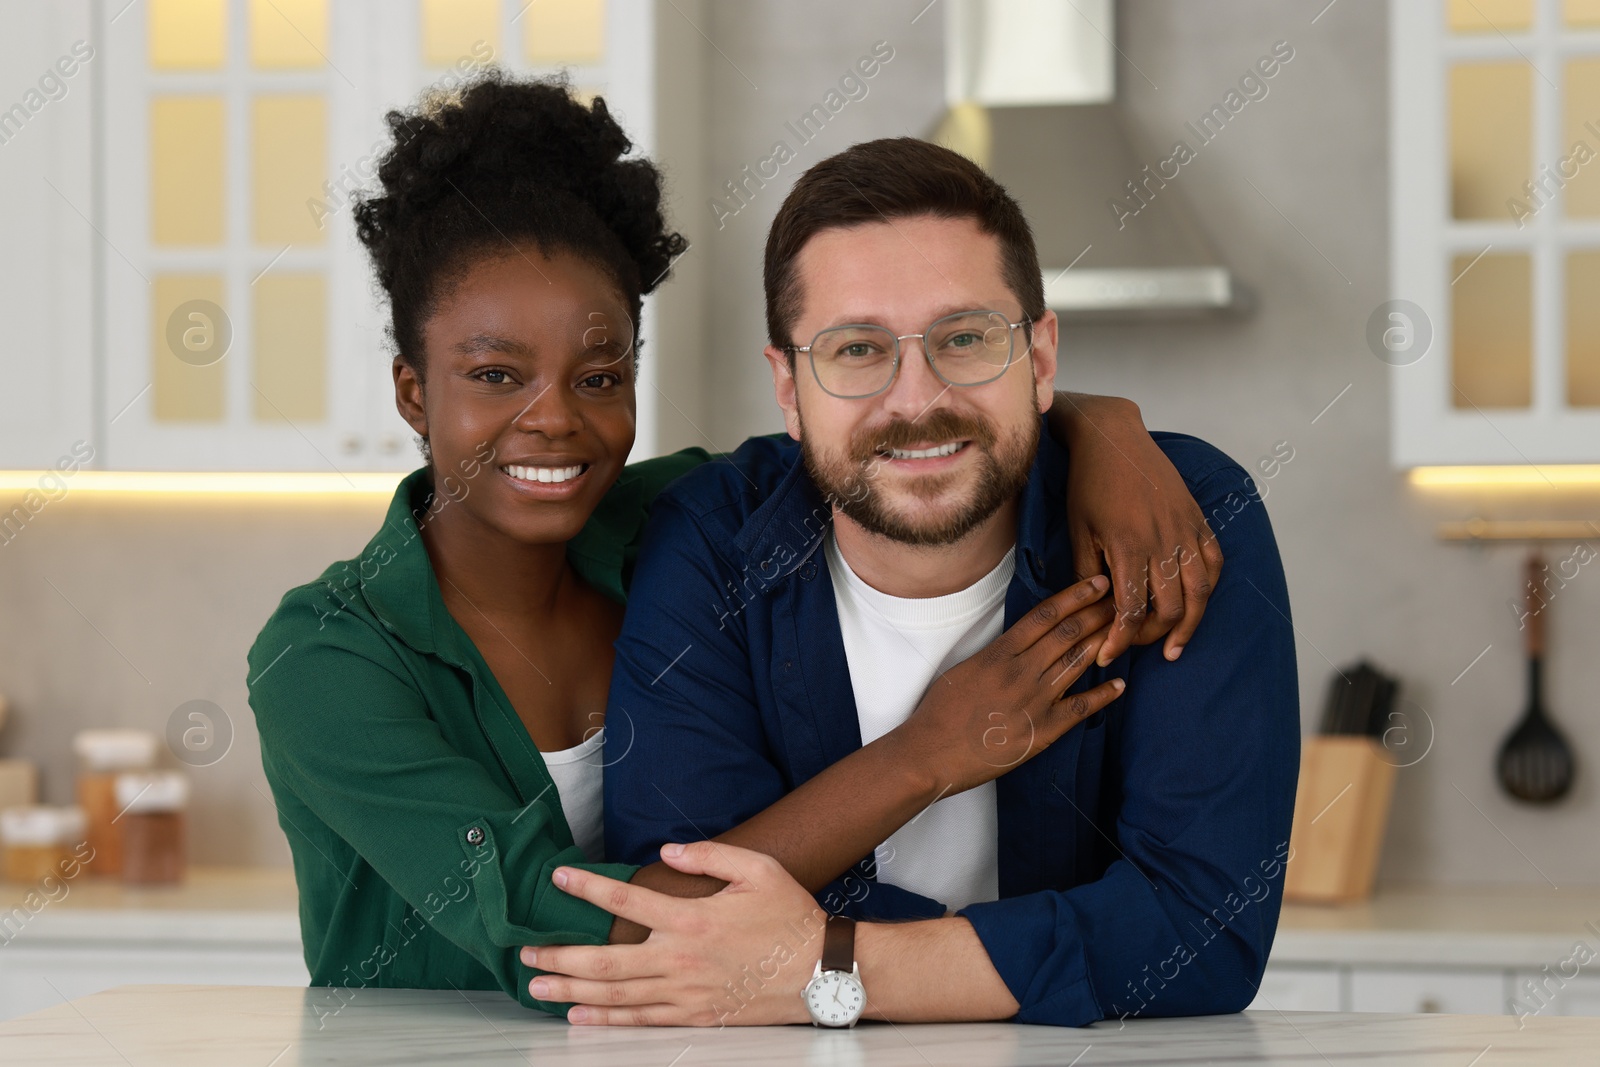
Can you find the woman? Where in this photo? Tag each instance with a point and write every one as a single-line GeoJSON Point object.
{"type": "Point", "coordinates": [428, 711]}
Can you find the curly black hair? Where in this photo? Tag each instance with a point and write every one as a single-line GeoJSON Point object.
{"type": "Point", "coordinates": [503, 160]}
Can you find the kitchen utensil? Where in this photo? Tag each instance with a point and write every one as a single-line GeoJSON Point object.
{"type": "Point", "coordinates": [1535, 762]}
{"type": "Point", "coordinates": [1359, 699]}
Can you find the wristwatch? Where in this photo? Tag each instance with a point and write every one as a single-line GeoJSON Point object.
{"type": "Point", "coordinates": [834, 996]}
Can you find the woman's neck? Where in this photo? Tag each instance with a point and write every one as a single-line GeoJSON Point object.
{"type": "Point", "coordinates": [493, 574]}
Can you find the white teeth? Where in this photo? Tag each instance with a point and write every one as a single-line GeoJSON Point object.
{"type": "Point", "coordinates": [544, 474]}
{"type": "Point", "coordinates": [926, 453]}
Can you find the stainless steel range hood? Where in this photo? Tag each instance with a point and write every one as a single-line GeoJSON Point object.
{"type": "Point", "coordinates": [1030, 86]}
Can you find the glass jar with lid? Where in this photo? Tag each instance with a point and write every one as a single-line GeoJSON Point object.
{"type": "Point", "coordinates": [104, 754]}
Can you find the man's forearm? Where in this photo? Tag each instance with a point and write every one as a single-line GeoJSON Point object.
{"type": "Point", "coordinates": [930, 972]}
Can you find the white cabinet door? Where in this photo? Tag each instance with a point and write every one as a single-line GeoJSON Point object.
{"type": "Point", "coordinates": [1454, 992]}
{"type": "Point", "coordinates": [48, 243]}
{"type": "Point", "coordinates": [1545, 994]}
{"type": "Point", "coordinates": [1298, 989]}
{"type": "Point", "coordinates": [34, 977]}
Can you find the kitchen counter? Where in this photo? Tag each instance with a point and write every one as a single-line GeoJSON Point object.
{"type": "Point", "coordinates": [1412, 925]}
{"type": "Point", "coordinates": [212, 904]}
{"type": "Point", "coordinates": [84, 935]}
{"type": "Point", "coordinates": [174, 1026]}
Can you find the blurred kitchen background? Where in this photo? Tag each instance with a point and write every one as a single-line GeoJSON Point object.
{"type": "Point", "coordinates": [1372, 276]}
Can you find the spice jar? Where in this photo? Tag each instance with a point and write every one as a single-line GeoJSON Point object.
{"type": "Point", "coordinates": [153, 826]}
{"type": "Point", "coordinates": [39, 841]}
{"type": "Point", "coordinates": [104, 755]}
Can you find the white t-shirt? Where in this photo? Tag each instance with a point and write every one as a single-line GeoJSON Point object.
{"type": "Point", "coordinates": [579, 773]}
{"type": "Point", "coordinates": [896, 647]}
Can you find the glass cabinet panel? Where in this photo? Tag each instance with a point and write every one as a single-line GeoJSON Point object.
{"type": "Point", "coordinates": [189, 338]}
{"type": "Point", "coordinates": [1579, 165]}
{"type": "Point", "coordinates": [290, 362]}
{"type": "Point", "coordinates": [288, 34]}
{"type": "Point", "coordinates": [451, 28]}
{"type": "Point", "coordinates": [1581, 14]}
{"type": "Point", "coordinates": [1490, 137]}
{"type": "Point", "coordinates": [1492, 331]}
{"type": "Point", "coordinates": [188, 34]}
{"type": "Point", "coordinates": [565, 32]}
{"type": "Point", "coordinates": [1583, 328]}
{"type": "Point", "coordinates": [289, 163]}
{"type": "Point", "coordinates": [1489, 16]}
{"type": "Point", "coordinates": [187, 197]}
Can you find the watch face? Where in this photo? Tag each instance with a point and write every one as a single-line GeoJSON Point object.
{"type": "Point", "coordinates": [835, 998]}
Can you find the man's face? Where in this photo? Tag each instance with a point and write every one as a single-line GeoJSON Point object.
{"type": "Point", "coordinates": [903, 275]}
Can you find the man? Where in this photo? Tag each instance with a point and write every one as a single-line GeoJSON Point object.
{"type": "Point", "coordinates": [795, 603]}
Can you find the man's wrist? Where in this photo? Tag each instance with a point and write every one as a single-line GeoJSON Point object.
{"type": "Point", "coordinates": [935, 970]}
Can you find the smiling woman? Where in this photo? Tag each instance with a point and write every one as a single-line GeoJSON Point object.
{"type": "Point", "coordinates": [432, 714]}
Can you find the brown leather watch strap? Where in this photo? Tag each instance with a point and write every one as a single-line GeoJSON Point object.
{"type": "Point", "coordinates": [839, 944]}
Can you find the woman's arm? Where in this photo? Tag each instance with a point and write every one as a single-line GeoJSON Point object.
{"type": "Point", "coordinates": [964, 732]}
{"type": "Point", "coordinates": [1133, 518]}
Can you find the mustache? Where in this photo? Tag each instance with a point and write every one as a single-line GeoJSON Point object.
{"type": "Point", "coordinates": [941, 425]}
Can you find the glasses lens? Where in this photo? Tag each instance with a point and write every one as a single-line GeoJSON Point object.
{"type": "Point", "coordinates": [853, 360]}
{"type": "Point", "coordinates": [972, 347]}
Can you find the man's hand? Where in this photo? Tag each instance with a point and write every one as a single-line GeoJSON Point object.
{"type": "Point", "coordinates": [1004, 704]}
{"type": "Point", "coordinates": [740, 957]}
{"type": "Point", "coordinates": [1132, 514]}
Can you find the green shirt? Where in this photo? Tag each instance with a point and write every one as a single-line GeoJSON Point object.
{"type": "Point", "coordinates": [422, 820]}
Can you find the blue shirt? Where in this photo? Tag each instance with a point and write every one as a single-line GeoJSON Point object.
{"type": "Point", "coordinates": [1140, 857]}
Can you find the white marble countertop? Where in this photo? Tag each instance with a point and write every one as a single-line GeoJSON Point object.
{"type": "Point", "coordinates": [178, 1026]}
{"type": "Point", "coordinates": [213, 904]}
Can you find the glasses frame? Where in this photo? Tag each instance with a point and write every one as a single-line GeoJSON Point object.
{"type": "Point", "coordinates": [894, 371]}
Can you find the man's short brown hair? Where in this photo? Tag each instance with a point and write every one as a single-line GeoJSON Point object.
{"type": "Point", "coordinates": [893, 178]}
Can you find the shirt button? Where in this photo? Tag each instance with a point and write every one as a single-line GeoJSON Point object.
{"type": "Point", "coordinates": [809, 570]}
{"type": "Point", "coordinates": [475, 836]}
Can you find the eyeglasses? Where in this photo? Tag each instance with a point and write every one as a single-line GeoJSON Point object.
{"type": "Point", "coordinates": [860, 360]}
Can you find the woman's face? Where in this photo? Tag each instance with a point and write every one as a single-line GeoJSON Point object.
{"type": "Point", "coordinates": [528, 406]}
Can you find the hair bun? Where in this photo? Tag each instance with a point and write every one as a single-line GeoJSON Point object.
{"type": "Point", "coordinates": [502, 158]}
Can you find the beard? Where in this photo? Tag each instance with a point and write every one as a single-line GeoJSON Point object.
{"type": "Point", "coordinates": [850, 481]}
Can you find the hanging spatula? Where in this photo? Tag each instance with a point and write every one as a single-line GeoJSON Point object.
{"type": "Point", "coordinates": [1535, 762]}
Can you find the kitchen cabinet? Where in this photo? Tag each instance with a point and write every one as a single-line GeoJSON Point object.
{"type": "Point", "coordinates": [1493, 332]}
{"type": "Point", "coordinates": [46, 373]}
{"type": "Point", "coordinates": [1431, 950]}
{"type": "Point", "coordinates": [185, 289]}
{"type": "Point", "coordinates": [1427, 991]}
{"type": "Point", "coordinates": [221, 926]}
{"type": "Point", "coordinates": [1290, 988]}
{"type": "Point", "coordinates": [1542, 993]}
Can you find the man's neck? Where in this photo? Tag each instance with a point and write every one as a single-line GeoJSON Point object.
{"type": "Point", "coordinates": [903, 570]}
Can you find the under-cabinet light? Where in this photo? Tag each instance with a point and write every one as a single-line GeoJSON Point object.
{"type": "Point", "coordinates": [201, 483]}
{"type": "Point", "coordinates": [1537, 476]}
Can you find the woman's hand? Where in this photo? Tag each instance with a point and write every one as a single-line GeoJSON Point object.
{"type": "Point", "coordinates": [741, 956]}
{"type": "Point", "coordinates": [1005, 704]}
{"type": "Point", "coordinates": [1132, 514]}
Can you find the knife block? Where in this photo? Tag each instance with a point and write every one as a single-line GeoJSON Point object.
{"type": "Point", "coordinates": [1340, 813]}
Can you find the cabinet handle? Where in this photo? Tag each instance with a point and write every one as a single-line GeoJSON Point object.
{"type": "Point", "coordinates": [1430, 1006]}
{"type": "Point", "coordinates": [352, 444]}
